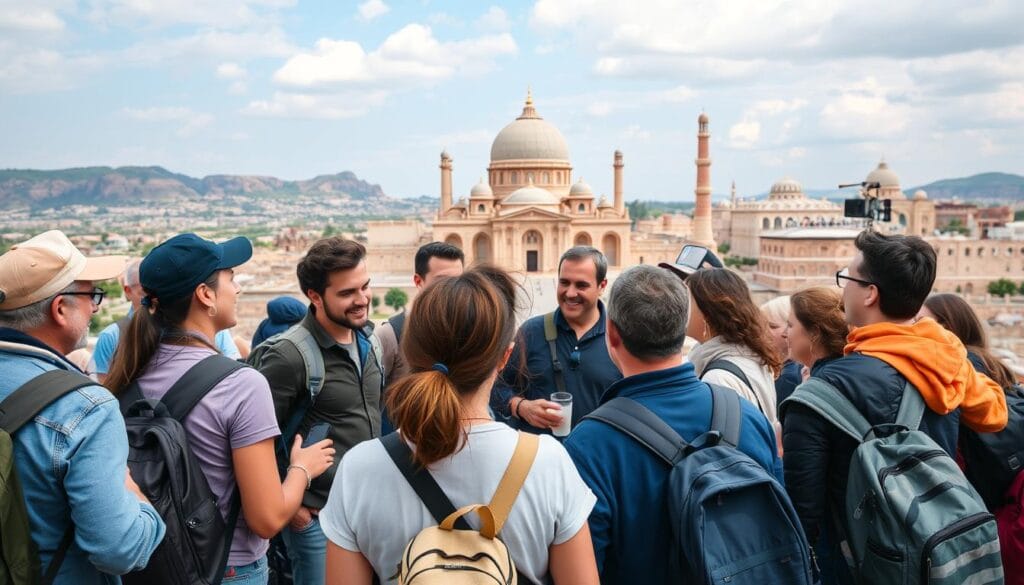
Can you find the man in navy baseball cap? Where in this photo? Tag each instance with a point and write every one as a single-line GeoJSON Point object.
{"type": "Point", "coordinates": [176, 267]}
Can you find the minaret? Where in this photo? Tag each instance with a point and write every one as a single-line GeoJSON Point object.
{"type": "Point", "coordinates": [732, 196]}
{"type": "Point", "coordinates": [446, 182]}
{"type": "Point", "coordinates": [620, 205]}
{"type": "Point", "coordinates": [702, 213]}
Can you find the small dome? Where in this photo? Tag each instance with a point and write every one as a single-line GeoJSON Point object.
{"type": "Point", "coordinates": [703, 118]}
{"type": "Point", "coordinates": [530, 195]}
{"type": "Point", "coordinates": [529, 137]}
{"type": "Point", "coordinates": [580, 188]}
{"type": "Point", "coordinates": [460, 203]}
{"type": "Point", "coordinates": [481, 191]}
{"type": "Point", "coordinates": [884, 176]}
{"type": "Point", "coordinates": [445, 155]}
{"type": "Point", "coordinates": [920, 195]}
{"type": "Point", "coordinates": [603, 203]}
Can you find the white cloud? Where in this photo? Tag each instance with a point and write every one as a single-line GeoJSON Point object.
{"type": "Point", "coordinates": [191, 121]}
{"type": "Point", "coordinates": [34, 70]}
{"type": "Point", "coordinates": [635, 133]}
{"type": "Point", "coordinates": [33, 19]}
{"type": "Point", "coordinates": [231, 70]}
{"type": "Point", "coordinates": [212, 45]}
{"type": "Point", "coordinates": [315, 106]}
{"type": "Point", "coordinates": [745, 134]}
{"type": "Point", "coordinates": [864, 111]}
{"type": "Point", "coordinates": [600, 109]}
{"type": "Point", "coordinates": [410, 56]}
{"type": "Point", "coordinates": [371, 9]}
{"type": "Point", "coordinates": [225, 14]}
{"type": "Point", "coordinates": [495, 19]}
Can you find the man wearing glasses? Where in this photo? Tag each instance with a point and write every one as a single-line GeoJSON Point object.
{"type": "Point", "coordinates": [883, 290]}
{"type": "Point", "coordinates": [70, 456]}
{"type": "Point", "coordinates": [565, 350]}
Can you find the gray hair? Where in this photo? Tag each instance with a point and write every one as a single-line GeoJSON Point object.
{"type": "Point", "coordinates": [578, 253]}
{"type": "Point", "coordinates": [650, 308]}
{"type": "Point", "coordinates": [31, 316]}
{"type": "Point", "coordinates": [131, 273]}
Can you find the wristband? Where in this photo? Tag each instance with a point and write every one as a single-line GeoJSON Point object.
{"type": "Point", "coordinates": [518, 404]}
{"type": "Point", "coordinates": [309, 478]}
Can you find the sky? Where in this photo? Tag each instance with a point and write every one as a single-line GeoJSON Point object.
{"type": "Point", "coordinates": [816, 90]}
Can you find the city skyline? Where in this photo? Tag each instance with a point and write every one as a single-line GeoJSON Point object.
{"type": "Point", "coordinates": [297, 89]}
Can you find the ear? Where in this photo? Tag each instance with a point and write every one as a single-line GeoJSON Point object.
{"type": "Point", "coordinates": [612, 335]}
{"type": "Point", "coordinates": [601, 285]}
{"type": "Point", "coordinates": [873, 297]}
{"type": "Point", "coordinates": [59, 311]}
{"type": "Point", "coordinates": [315, 298]}
{"type": "Point", "coordinates": [417, 280]}
{"type": "Point", "coordinates": [206, 295]}
{"type": "Point", "coordinates": [506, 356]}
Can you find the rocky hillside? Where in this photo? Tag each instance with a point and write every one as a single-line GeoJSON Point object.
{"type": "Point", "coordinates": [986, 186]}
{"type": "Point", "coordinates": [105, 185]}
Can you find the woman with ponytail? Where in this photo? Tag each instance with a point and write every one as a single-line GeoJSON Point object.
{"type": "Point", "coordinates": [190, 295]}
{"type": "Point", "coordinates": [457, 338]}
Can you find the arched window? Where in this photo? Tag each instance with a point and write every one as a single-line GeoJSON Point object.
{"type": "Point", "coordinates": [778, 223]}
{"type": "Point", "coordinates": [481, 208]}
{"type": "Point", "coordinates": [766, 223]}
{"type": "Point", "coordinates": [581, 208]}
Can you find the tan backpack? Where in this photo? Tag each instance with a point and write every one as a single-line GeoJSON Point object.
{"type": "Point", "coordinates": [452, 553]}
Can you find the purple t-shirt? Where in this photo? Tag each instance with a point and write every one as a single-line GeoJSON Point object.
{"type": "Point", "coordinates": [238, 412]}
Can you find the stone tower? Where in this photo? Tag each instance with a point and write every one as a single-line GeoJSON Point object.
{"type": "Point", "coordinates": [446, 182]}
{"type": "Point", "coordinates": [702, 233]}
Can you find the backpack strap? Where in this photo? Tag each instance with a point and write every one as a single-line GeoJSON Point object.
{"type": "Point", "coordinates": [197, 382]}
{"type": "Point", "coordinates": [397, 325]}
{"type": "Point", "coordinates": [726, 413]}
{"type": "Point", "coordinates": [911, 408]}
{"type": "Point", "coordinates": [512, 481]}
{"type": "Point", "coordinates": [422, 482]}
{"type": "Point", "coordinates": [551, 336]}
{"type": "Point", "coordinates": [23, 405]}
{"type": "Point", "coordinates": [312, 359]}
{"type": "Point", "coordinates": [647, 428]}
{"type": "Point", "coordinates": [826, 400]}
{"type": "Point", "coordinates": [726, 365]}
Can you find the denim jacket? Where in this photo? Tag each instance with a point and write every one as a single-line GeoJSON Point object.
{"type": "Point", "coordinates": [71, 461]}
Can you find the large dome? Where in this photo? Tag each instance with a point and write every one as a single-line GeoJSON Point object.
{"type": "Point", "coordinates": [530, 195]}
{"type": "Point", "coordinates": [529, 137]}
{"type": "Point", "coordinates": [884, 176]}
{"type": "Point", "coordinates": [786, 188]}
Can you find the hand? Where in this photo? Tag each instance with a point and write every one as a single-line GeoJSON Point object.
{"type": "Point", "coordinates": [302, 518]}
{"type": "Point", "coordinates": [316, 458]}
{"type": "Point", "coordinates": [536, 413]}
{"type": "Point", "coordinates": [805, 373]}
{"type": "Point", "coordinates": [133, 487]}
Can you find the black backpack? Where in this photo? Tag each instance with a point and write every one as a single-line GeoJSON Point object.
{"type": "Point", "coordinates": [993, 460]}
{"type": "Point", "coordinates": [198, 540]}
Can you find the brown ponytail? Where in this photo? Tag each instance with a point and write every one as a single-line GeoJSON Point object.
{"type": "Point", "coordinates": [142, 337]}
{"type": "Point", "coordinates": [462, 324]}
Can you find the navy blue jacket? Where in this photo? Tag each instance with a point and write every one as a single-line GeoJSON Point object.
{"type": "Point", "coordinates": [818, 454]}
{"type": "Point", "coordinates": [788, 380]}
{"type": "Point", "coordinates": [629, 524]}
{"type": "Point", "coordinates": [586, 378]}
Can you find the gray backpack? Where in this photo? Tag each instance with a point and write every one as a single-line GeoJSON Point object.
{"type": "Point", "coordinates": [911, 515]}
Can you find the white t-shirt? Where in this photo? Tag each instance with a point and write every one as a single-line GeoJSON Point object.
{"type": "Point", "coordinates": [372, 509]}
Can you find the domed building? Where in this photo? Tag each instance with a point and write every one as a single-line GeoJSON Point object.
{"type": "Point", "coordinates": [529, 211]}
{"type": "Point", "coordinates": [787, 206]}
{"type": "Point", "coordinates": [914, 216]}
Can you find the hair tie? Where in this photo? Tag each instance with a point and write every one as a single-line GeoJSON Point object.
{"type": "Point", "coordinates": [147, 301]}
{"type": "Point", "coordinates": [439, 367]}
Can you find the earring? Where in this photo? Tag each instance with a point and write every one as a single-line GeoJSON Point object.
{"type": "Point", "coordinates": [212, 311]}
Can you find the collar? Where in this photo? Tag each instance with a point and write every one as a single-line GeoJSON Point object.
{"type": "Point", "coordinates": [18, 337]}
{"type": "Point", "coordinates": [597, 329]}
{"type": "Point", "coordinates": [671, 379]}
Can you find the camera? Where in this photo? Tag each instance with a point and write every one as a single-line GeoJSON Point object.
{"type": "Point", "coordinates": [868, 206]}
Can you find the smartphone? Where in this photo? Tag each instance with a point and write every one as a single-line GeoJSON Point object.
{"type": "Point", "coordinates": [317, 433]}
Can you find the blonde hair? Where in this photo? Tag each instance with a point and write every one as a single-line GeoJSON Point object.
{"type": "Point", "coordinates": [777, 310]}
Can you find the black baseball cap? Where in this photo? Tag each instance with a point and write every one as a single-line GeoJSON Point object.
{"type": "Point", "coordinates": [176, 267]}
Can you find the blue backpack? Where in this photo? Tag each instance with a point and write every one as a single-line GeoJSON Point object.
{"type": "Point", "coordinates": [732, 522]}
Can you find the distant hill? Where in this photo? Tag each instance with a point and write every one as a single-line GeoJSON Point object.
{"type": "Point", "coordinates": [109, 186]}
{"type": "Point", "coordinates": [977, 187]}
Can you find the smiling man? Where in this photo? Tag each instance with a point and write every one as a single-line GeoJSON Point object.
{"type": "Point", "coordinates": [334, 277]}
{"type": "Point", "coordinates": [582, 356]}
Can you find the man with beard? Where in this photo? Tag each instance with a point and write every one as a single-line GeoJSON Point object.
{"type": "Point", "coordinates": [583, 367]}
{"type": "Point", "coordinates": [71, 454]}
{"type": "Point", "coordinates": [334, 277]}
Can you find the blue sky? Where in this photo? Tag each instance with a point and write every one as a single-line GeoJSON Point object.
{"type": "Point", "coordinates": [806, 88]}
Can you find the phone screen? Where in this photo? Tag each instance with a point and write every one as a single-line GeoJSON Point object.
{"type": "Point", "coordinates": [692, 256]}
{"type": "Point", "coordinates": [317, 433]}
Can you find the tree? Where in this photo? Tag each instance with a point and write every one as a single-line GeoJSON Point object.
{"type": "Point", "coordinates": [375, 302]}
{"type": "Point", "coordinates": [724, 248]}
{"type": "Point", "coordinates": [112, 288]}
{"type": "Point", "coordinates": [1002, 287]}
{"type": "Point", "coordinates": [396, 298]}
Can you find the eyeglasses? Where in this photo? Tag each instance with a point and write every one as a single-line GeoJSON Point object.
{"type": "Point", "coordinates": [96, 295]}
{"type": "Point", "coordinates": [844, 274]}
{"type": "Point", "coordinates": [574, 359]}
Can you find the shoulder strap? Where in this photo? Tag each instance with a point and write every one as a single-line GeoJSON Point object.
{"type": "Point", "coordinates": [397, 325]}
{"type": "Point", "coordinates": [826, 400]}
{"type": "Point", "coordinates": [196, 383]}
{"type": "Point", "coordinates": [512, 481]}
{"type": "Point", "coordinates": [24, 404]}
{"type": "Point", "coordinates": [637, 421]}
{"type": "Point", "coordinates": [421, 481]}
{"type": "Point", "coordinates": [911, 408]}
{"type": "Point", "coordinates": [723, 364]}
{"type": "Point", "coordinates": [312, 359]}
{"type": "Point", "coordinates": [726, 413]}
{"type": "Point", "coordinates": [551, 336]}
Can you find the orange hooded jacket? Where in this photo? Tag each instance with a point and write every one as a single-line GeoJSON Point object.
{"type": "Point", "coordinates": [935, 362]}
